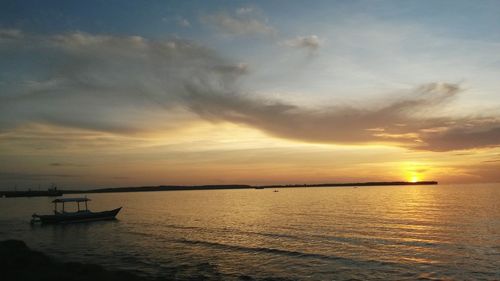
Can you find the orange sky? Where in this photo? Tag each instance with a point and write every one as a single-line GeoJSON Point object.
{"type": "Point", "coordinates": [221, 153]}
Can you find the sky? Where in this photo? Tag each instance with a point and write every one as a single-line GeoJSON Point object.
{"type": "Point", "coordinates": [133, 93]}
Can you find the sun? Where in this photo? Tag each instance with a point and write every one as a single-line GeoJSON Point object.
{"type": "Point", "coordinates": [414, 178]}
{"type": "Point", "coordinates": [414, 171]}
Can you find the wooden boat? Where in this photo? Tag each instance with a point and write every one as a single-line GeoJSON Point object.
{"type": "Point", "coordinates": [82, 215]}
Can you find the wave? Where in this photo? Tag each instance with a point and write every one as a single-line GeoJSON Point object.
{"type": "Point", "coordinates": [351, 240]}
{"type": "Point", "coordinates": [289, 253]}
{"type": "Point", "coordinates": [257, 249]}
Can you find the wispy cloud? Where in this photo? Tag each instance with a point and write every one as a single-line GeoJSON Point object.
{"type": "Point", "coordinates": [311, 42]}
{"type": "Point", "coordinates": [8, 34]}
{"type": "Point", "coordinates": [33, 177]}
{"type": "Point", "coordinates": [243, 22]}
{"type": "Point", "coordinates": [182, 22]}
{"type": "Point", "coordinates": [65, 164]}
{"type": "Point", "coordinates": [126, 85]}
{"type": "Point", "coordinates": [244, 10]}
{"type": "Point", "coordinates": [179, 21]}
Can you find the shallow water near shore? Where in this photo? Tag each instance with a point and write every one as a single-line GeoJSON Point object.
{"type": "Point", "coordinates": [340, 233]}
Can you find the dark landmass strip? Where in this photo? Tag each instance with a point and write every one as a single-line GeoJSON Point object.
{"type": "Point", "coordinates": [203, 187]}
{"type": "Point", "coordinates": [212, 187]}
{"type": "Point", "coordinates": [374, 183]}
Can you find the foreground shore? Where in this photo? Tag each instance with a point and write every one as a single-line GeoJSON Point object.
{"type": "Point", "coordinates": [18, 262]}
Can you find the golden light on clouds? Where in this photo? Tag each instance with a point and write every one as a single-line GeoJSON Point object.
{"type": "Point", "coordinates": [218, 153]}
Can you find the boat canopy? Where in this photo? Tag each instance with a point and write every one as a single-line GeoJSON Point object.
{"type": "Point", "coordinates": [64, 200]}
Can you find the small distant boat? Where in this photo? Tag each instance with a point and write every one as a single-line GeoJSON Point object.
{"type": "Point", "coordinates": [81, 215]}
{"type": "Point", "coordinates": [276, 190]}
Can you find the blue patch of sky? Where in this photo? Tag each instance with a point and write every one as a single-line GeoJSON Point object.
{"type": "Point", "coordinates": [468, 19]}
{"type": "Point", "coordinates": [459, 19]}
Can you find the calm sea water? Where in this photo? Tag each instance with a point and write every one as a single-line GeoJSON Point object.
{"type": "Point", "coordinates": [377, 233]}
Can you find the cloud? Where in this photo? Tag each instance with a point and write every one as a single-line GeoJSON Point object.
{"type": "Point", "coordinates": [311, 42]}
{"type": "Point", "coordinates": [486, 173]}
{"type": "Point", "coordinates": [32, 177]}
{"type": "Point", "coordinates": [113, 84]}
{"type": "Point", "coordinates": [129, 84]}
{"type": "Point", "coordinates": [10, 34]}
{"type": "Point", "coordinates": [182, 22]}
{"type": "Point", "coordinates": [66, 164]}
{"type": "Point", "coordinates": [243, 22]}
{"type": "Point", "coordinates": [244, 10]}
{"type": "Point", "coordinates": [405, 122]}
{"type": "Point", "coordinates": [179, 21]}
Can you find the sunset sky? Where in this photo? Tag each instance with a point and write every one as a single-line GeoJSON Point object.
{"type": "Point", "coordinates": [127, 93]}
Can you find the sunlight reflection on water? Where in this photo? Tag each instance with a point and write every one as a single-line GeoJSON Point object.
{"type": "Point", "coordinates": [396, 233]}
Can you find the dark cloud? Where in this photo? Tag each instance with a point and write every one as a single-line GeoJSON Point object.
{"type": "Point", "coordinates": [130, 84]}
{"type": "Point", "coordinates": [59, 164]}
{"type": "Point", "coordinates": [404, 122]}
{"type": "Point", "coordinates": [492, 161]}
{"type": "Point", "coordinates": [120, 178]}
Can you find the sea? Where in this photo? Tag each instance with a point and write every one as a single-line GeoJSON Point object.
{"type": "Point", "coordinates": [441, 232]}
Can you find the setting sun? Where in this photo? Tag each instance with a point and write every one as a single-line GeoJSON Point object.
{"type": "Point", "coordinates": [414, 178]}
{"type": "Point", "coordinates": [415, 171]}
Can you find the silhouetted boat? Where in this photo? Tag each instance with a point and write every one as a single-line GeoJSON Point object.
{"type": "Point", "coordinates": [78, 216]}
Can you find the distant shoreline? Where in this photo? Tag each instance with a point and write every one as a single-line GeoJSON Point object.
{"type": "Point", "coordinates": [216, 187]}
{"type": "Point", "coordinates": [30, 193]}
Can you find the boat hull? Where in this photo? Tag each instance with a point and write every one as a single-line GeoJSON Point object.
{"type": "Point", "coordinates": [77, 217]}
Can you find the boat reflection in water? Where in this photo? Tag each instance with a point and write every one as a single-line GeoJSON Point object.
{"type": "Point", "coordinates": [81, 215]}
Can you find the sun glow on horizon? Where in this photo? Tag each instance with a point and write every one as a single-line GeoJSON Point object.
{"type": "Point", "coordinates": [414, 178]}
{"type": "Point", "coordinates": [414, 171]}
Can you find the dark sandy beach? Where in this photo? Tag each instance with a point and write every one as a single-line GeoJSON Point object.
{"type": "Point", "coordinates": [18, 262]}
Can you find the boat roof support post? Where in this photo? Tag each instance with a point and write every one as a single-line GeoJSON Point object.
{"type": "Point", "coordinates": [86, 207]}
{"type": "Point", "coordinates": [78, 203]}
{"type": "Point", "coordinates": [63, 207]}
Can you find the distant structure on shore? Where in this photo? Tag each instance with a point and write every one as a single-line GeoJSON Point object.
{"type": "Point", "coordinates": [53, 191]}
